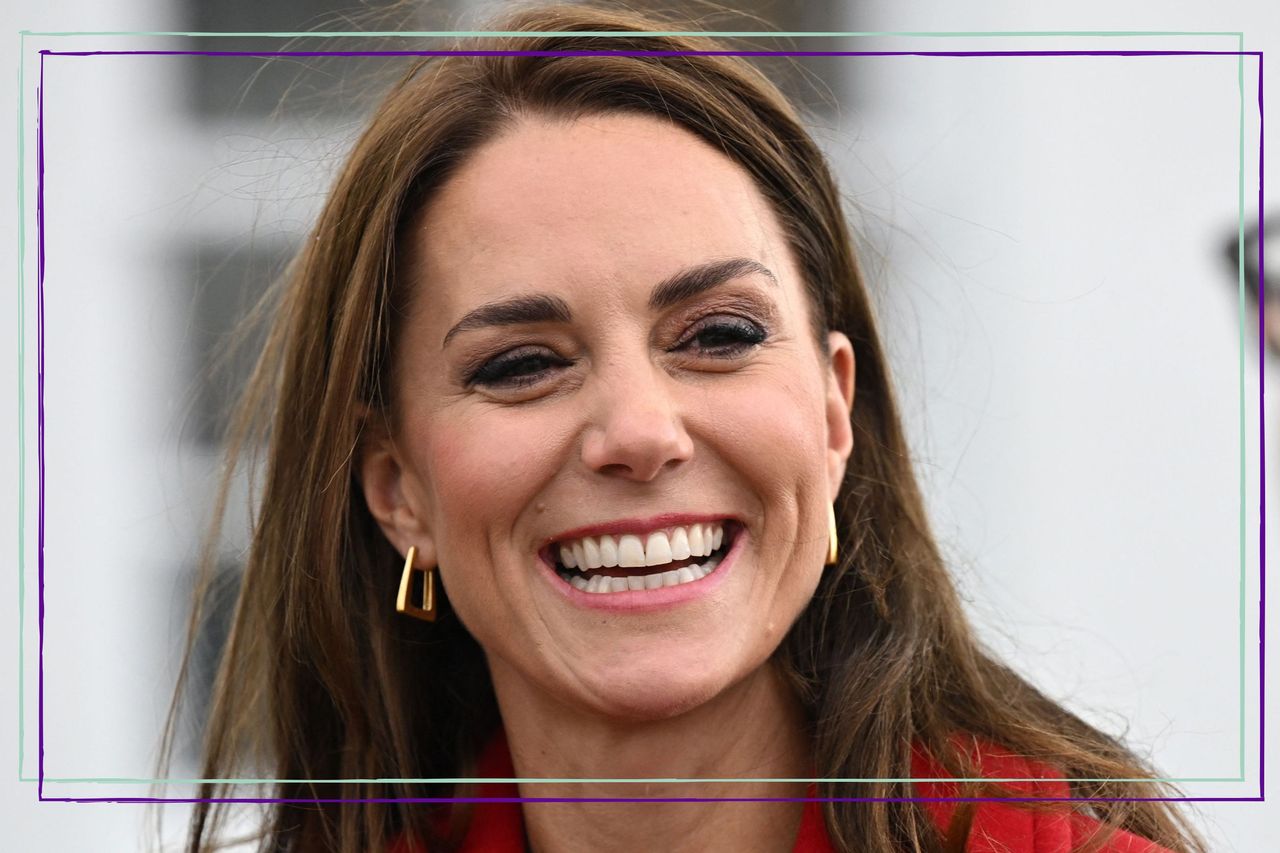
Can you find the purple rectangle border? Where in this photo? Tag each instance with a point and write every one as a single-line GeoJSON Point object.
{"type": "Point", "coordinates": [40, 273]}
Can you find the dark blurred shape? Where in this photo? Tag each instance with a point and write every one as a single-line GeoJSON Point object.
{"type": "Point", "coordinates": [222, 346]}
{"type": "Point", "coordinates": [210, 640]}
{"type": "Point", "coordinates": [328, 86]}
{"type": "Point", "coordinates": [249, 88]}
{"type": "Point", "coordinates": [1257, 278]}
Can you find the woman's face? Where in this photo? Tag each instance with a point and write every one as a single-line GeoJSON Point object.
{"type": "Point", "coordinates": [608, 348]}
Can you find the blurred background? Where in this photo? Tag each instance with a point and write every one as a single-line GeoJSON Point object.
{"type": "Point", "coordinates": [1051, 243]}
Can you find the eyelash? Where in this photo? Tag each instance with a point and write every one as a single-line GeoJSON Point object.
{"type": "Point", "coordinates": [747, 334]}
{"type": "Point", "coordinates": [502, 371]}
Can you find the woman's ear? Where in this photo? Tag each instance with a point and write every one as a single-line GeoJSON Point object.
{"type": "Point", "coordinates": [388, 490]}
{"type": "Point", "coordinates": [839, 405]}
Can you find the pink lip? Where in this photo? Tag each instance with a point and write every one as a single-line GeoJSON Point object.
{"type": "Point", "coordinates": [646, 600]}
{"type": "Point", "coordinates": [638, 526]}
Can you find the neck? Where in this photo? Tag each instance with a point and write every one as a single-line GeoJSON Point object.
{"type": "Point", "coordinates": [753, 730]}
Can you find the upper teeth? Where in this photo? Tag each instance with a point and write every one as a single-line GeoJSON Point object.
{"type": "Point", "coordinates": [638, 551]}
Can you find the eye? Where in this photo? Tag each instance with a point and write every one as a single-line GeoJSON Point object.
{"type": "Point", "coordinates": [725, 337]}
{"type": "Point", "coordinates": [516, 368]}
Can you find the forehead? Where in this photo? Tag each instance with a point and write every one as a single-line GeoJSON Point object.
{"type": "Point", "coordinates": [603, 201]}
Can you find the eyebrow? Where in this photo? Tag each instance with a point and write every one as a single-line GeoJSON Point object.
{"type": "Point", "coordinates": [677, 288]}
{"type": "Point", "coordinates": [692, 281]}
{"type": "Point", "coordinates": [538, 308]}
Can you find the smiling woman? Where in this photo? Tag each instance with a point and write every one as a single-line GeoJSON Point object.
{"type": "Point", "coordinates": [579, 369]}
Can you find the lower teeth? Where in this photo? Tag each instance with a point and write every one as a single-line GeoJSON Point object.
{"type": "Point", "coordinates": [672, 577]}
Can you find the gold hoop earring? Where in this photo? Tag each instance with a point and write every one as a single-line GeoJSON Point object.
{"type": "Point", "coordinates": [427, 611]}
{"type": "Point", "coordinates": [833, 550]}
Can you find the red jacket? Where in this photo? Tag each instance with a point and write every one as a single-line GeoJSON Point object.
{"type": "Point", "coordinates": [995, 827]}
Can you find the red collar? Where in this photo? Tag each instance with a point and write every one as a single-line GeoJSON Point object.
{"type": "Point", "coordinates": [499, 827]}
{"type": "Point", "coordinates": [994, 827]}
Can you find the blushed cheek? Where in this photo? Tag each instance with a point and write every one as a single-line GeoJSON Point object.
{"type": "Point", "coordinates": [782, 422]}
{"type": "Point", "coordinates": [475, 477]}
{"type": "Point", "coordinates": [777, 443]}
{"type": "Point", "coordinates": [485, 473]}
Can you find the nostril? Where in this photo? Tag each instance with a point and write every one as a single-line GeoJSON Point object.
{"type": "Point", "coordinates": [614, 468]}
{"type": "Point", "coordinates": [635, 447]}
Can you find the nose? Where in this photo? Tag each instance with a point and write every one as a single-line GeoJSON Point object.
{"type": "Point", "coordinates": [637, 429]}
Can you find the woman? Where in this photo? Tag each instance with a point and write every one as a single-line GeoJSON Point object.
{"type": "Point", "coordinates": [579, 368]}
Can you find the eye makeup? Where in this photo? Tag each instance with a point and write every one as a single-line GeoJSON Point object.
{"type": "Point", "coordinates": [721, 324]}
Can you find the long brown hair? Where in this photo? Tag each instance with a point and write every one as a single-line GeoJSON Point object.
{"type": "Point", "coordinates": [319, 681]}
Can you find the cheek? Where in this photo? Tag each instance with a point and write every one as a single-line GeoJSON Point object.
{"type": "Point", "coordinates": [482, 472]}
{"type": "Point", "coordinates": [776, 428]}
{"type": "Point", "coordinates": [775, 434]}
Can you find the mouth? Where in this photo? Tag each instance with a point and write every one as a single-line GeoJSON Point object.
{"type": "Point", "coordinates": [672, 556]}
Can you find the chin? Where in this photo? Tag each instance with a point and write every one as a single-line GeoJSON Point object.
{"type": "Point", "coordinates": [653, 693]}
